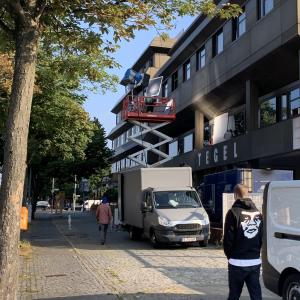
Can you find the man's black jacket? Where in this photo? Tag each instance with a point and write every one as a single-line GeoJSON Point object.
{"type": "Point", "coordinates": [243, 230]}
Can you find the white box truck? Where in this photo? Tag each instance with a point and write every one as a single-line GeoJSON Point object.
{"type": "Point", "coordinates": [161, 204]}
{"type": "Point", "coordinates": [281, 246]}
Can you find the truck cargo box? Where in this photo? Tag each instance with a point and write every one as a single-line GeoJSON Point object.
{"type": "Point", "coordinates": [132, 184]}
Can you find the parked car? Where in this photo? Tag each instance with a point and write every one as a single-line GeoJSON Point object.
{"type": "Point", "coordinates": [43, 205]}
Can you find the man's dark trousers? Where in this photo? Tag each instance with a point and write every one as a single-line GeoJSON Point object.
{"type": "Point", "coordinates": [103, 228]}
{"type": "Point", "coordinates": [237, 276]}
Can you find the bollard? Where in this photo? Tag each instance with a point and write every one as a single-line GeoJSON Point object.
{"type": "Point", "coordinates": [24, 218]}
{"type": "Point", "coordinates": [70, 222]}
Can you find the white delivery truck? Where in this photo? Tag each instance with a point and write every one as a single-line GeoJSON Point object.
{"type": "Point", "coordinates": [161, 204]}
{"type": "Point", "coordinates": [281, 247]}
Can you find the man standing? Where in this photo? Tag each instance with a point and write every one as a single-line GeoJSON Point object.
{"type": "Point", "coordinates": [103, 216]}
{"type": "Point", "coordinates": [242, 243]}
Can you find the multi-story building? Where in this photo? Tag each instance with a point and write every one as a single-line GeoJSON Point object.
{"type": "Point", "coordinates": [237, 91]}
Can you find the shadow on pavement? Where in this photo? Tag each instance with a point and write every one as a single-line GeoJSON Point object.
{"type": "Point", "coordinates": [143, 296]}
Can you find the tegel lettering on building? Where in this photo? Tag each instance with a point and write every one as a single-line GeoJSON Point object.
{"type": "Point", "coordinates": [219, 154]}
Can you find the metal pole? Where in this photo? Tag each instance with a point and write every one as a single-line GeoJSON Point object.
{"type": "Point", "coordinates": [52, 195]}
{"type": "Point", "coordinates": [74, 194]}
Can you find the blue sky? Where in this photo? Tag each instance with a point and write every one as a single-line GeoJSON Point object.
{"type": "Point", "coordinates": [99, 105]}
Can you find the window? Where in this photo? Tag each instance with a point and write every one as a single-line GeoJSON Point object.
{"type": "Point", "coordinates": [239, 123]}
{"type": "Point", "coordinates": [218, 42]}
{"type": "Point", "coordinates": [118, 118]}
{"type": "Point", "coordinates": [207, 134]}
{"type": "Point", "coordinates": [268, 112]}
{"type": "Point", "coordinates": [264, 7]}
{"type": "Point", "coordinates": [173, 148]}
{"type": "Point", "coordinates": [187, 70]}
{"type": "Point", "coordinates": [200, 58]}
{"type": "Point", "coordinates": [284, 107]}
{"type": "Point", "coordinates": [180, 146]}
{"type": "Point", "coordinates": [188, 143]}
{"type": "Point", "coordinates": [165, 89]}
{"type": "Point", "coordinates": [175, 81]}
{"type": "Point", "coordinates": [295, 102]}
{"type": "Point", "coordinates": [123, 164]}
{"type": "Point", "coordinates": [238, 26]}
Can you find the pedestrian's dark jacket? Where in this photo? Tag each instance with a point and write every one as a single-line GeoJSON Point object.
{"type": "Point", "coordinates": [243, 230]}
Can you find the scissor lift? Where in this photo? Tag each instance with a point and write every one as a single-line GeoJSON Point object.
{"type": "Point", "coordinates": [143, 111]}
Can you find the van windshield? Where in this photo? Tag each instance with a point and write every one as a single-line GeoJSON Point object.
{"type": "Point", "coordinates": [176, 199]}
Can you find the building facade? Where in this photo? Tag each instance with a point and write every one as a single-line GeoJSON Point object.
{"type": "Point", "coordinates": [237, 91]}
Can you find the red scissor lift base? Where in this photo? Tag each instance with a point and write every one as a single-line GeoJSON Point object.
{"type": "Point", "coordinates": [161, 109]}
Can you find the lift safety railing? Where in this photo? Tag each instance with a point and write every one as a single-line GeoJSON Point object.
{"type": "Point", "coordinates": [149, 114]}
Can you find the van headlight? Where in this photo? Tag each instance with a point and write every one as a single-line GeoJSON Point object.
{"type": "Point", "coordinates": [206, 219]}
{"type": "Point", "coordinates": [164, 222]}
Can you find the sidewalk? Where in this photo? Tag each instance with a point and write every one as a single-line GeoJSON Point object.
{"type": "Point", "coordinates": [68, 262]}
{"type": "Point", "coordinates": [55, 268]}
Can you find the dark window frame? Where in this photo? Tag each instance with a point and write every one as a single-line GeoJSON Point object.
{"type": "Point", "coordinates": [198, 58]}
{"type": "Point", "coordinates": [236, 25]}
{"type": "Point", "coordinates": [186, 70]}
{"type": "Point", "coordinates": [261, 8]}
{"type": "Point", "coordinates": [215, 38]}
{"type": "Point", "coordinates": [175, 80]}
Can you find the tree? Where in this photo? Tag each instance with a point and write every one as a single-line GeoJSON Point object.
{"type": "Point", "coordinates": [97, 154]}
{"type": "Point", "coordinates": [72, 29]}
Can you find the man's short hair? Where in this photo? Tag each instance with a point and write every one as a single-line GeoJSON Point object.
{"type": "Point", "coordinates": [240, 191]}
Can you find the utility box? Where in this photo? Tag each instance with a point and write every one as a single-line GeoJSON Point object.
{"type": "Point", "coordinates": [24, 218]}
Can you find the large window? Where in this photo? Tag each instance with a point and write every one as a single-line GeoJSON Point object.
{"type": "Point", "coordinates": [187, 70]}
{"type": "Point", "coordinates": [173, 148]}
{"type": "Point", "coordinates": [218, 42]}
{"type": "Point", "coordinates": [295, 102]}
{"type": "Point", "coordinates": [268, 112]}
{"type": "Point", "coordinates": [264, 7]}
{"type": "Point", "coordinates": [200, 58]}
{"type": "Point", "coordinates": [238, 26]}
{"type": "Point", "coordinates": [188, 143]}
{"type": "Point", "coordinates": [174, 80]}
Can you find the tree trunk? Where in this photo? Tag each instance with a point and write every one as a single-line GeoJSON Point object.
{"type": "Point", "coordinates": [15, 154]}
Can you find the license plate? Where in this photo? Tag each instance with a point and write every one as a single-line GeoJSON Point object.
{"type": "Point", "coordinates": [189, 239]}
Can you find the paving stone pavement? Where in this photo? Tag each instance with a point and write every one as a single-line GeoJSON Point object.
{"type": "Point", "coordinates": [68, 262]}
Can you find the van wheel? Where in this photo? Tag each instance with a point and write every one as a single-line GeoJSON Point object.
{"type": "Point", "coordinates": [153, 240]}
{"type": "Point", "coordinates": [203, 243]}
{"type": "Point", "coordinates": [291, 288]}
{"type": "Point", "coordinates": [134, 234]}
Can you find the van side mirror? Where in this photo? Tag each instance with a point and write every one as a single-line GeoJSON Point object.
{"type": "Point", "coordinates": [146, 208]}
{"type": "Point", "coordinates": [143, 207]}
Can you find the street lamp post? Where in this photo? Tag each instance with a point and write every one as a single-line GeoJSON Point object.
{"type": "Point", "coordinates": [52, 195]}
{"type": "Point", "coordinates": [74, 194]}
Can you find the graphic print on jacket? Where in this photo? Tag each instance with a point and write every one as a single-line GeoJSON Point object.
{"type": "Point", "coordinates": [250, 222]}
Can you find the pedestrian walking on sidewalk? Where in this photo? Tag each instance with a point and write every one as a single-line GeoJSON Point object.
{"type": "Point", "coordinates": [104, 217]}
{"type": "Point", "coordinates": [242, 243]}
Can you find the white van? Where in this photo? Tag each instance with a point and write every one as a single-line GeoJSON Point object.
{"type": "Point", "coordinates": [162, 205]}
{"type": "Point", "coordinates": [281, 247]}
{"type": "Point", "coordinates": [88, 203]}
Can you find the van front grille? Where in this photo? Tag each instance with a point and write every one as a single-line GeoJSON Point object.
{"type": "Point", "coordinates": [184, 227]}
